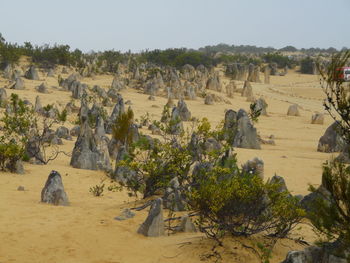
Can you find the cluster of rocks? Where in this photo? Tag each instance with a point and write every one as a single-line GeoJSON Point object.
{"type": "Point", "coordinates": [239, 130]}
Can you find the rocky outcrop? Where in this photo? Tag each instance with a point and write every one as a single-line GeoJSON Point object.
{"type": "Point", "coordinates": [254, 166]}
{"type": "Point", "coordinates": [293, 110]}
{"type": "Point", "coordinates": [239, 131]}
{"type": "Point", "coordinates": [90, 151]}
{"type": "Point", "coordinates": [154, 223]}
{"type": "Point", "coordinates": [53, 191]}
{"type": "Point", "coordinates": [317, 118]}
{"type": "Point", "coordinates": [32, 73]}
{"type": "Point", "coordinates": [331, 141]}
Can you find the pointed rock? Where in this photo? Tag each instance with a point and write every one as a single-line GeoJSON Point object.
{"type": "Point", "coordinates": [154, 223]}
{"type": "Point", "coordinates": [53, 191]}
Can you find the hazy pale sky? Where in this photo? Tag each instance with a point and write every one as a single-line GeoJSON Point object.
{"type": "Point", "coordinates": [140, 24]}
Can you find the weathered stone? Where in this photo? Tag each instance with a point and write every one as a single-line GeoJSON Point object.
{"type": "Point", "coordinates": [173, 198]}
{"type": "Point", "coordinates": [209, 99]}
{"type": "Point", "coordinates": [117, 84]}
{"type": "Point", "coordinates": [32, 73]}
{"type": "Point", "coordinates": [261, 105]}
{"type": "Point", "coordinates": [254, 166]}
{"type": "Point", "coordinates": [38, 108]}
{"type": "Point", "coordinates": [18, 84]}
{"type": "Point", "coordinates": [42, 88]}
{"type": "Point", "coordinates": [331, 141]}
{"type": "Point", "coordinates": [247, 89]}
{"type": "Point", "coordinates": [53, 191]}
{"type": "Point", "coordinates": [184, 113]}
{"type": "Point", "coordinates": [3, 97]}
{"type": "Point", "coordinates": [20, 188]}
{"type": "Point", "coordinates": [293, 110]}
{"type": "Point", "coordinates": [317, 118]}
{"type": "Point", "coordinates": [90, 152]}
{"type": "Point", "coordinates": [239, 131]}
{"type": "Point", "coordinates": [154, 224]}
{"type": "Point", "coordinates": [63, 132]}
{"type": "Point", "coordinates": [75, 131]}
{"type": "Point", "coordinates": [51, 73]}
{"type": "Point", "coordinates": [126, 214]}
{"type": "Point", "coordinates": [187, 225]}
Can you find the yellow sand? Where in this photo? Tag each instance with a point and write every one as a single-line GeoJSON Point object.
{"type": "Point", "coordinates": [86, 230]}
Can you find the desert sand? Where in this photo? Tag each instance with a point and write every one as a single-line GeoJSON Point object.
{"type": "Point", "coordinates": [86, 231]}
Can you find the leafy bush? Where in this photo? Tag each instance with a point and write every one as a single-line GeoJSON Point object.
{"type": "Point", "coordinates": [16, 126]}
{"type": "Point", "coordinates": [331, 216]}
{"type": "Point", "coordinates": [307, 66]}
{"type": "Point", "coordinates": [281, 60]}
{"type": "Point", "coordinates": [121, 129]}
{"type": "Point", "coordinates": [231, 202]}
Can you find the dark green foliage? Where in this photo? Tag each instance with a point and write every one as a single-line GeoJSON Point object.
{"type": "Point", "coordinates": [16, 126]}
{"type": "Point", "coordinates": [177, 57]}
{"type": "Point", "coordinates": [9, 54]}
{"type": "Point", "coordinates": [121, 129]}
{"type": "Point", "coordinates": [239, 58]}
{"type": "Point", "coordinates": [331, 214]}
{"type": "Point", "coordinates": [231, 202]}
{"type": "Point", "coordinates": [281, 60]}
{"type": "Point", "coordinates": [111, 59]}
{"type": "Point", "coordinates": [254, 113]}
{"type": "Point", "coordinates": [98, 189]}
{"type": "Point", "coordinates": [306, 66]}
{"type": "Point", "coordinates": [288, 49]}
{"type": "Point", "coordinates": [10, 153]}
{"type": "Point", "coordinates": [337, 92]}
{"type": "Point", "coordinates": [62, 116]}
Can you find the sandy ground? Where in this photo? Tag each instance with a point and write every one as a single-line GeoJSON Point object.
{"type": "Point", "coordinates": [86, 230]}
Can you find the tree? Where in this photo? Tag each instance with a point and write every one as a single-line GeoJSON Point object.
{"type": "Point", "coordinates": [331, 215]}
{"type": "Point", "coordinates": [307, 65]}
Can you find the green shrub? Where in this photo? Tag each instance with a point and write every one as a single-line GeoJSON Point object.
{"type": "Point", "coordinates": [307, 66]}
{"type": "Point", "coordinates": [231, 202]}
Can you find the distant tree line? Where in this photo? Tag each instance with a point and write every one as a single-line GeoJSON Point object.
{"type": "Point", "coordinates": [109, 60]}
{"type": "Point", "coordinates": [260, 50]}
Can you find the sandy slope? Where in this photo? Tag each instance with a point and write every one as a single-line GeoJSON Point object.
{"type": "Point", "coordinates": [86, 231]}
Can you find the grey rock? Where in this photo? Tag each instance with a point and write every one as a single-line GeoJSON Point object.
{"type": "Point", "coordinates": [126, 214]}
{"type": "Point", "coordinates": [38, 108]}
{"type": "Point", "coordinates": [20, 188]}
{"type": "Point", "coordinates": [153, 226]}
{"type": "Point", "coordinates": [75, 131]}
{"type": "Point", "coordinates": [51, 73]}
{"type": "Point", "coordinates": [90, 151]}
{"type": "Point", "coordinates": [19, 169]}
{"type": "Point", "coordinates": [187, 225]}
{"type": "Point", "coordinates": [64, 133]}
{"type": "Point", "coordinates": [53, 191]}
{"type": "Point", "coordinates": [184, 113]}
{"type": "Point", "coordinates": [42, 88]}
{"type": "Point", "coordinates": [247, 90]}
{"type": "Point", "coordinates": [254, 166]}
{"type": "Point", "coordinates": [209, 99]}
{"type": "Point", "coordinates": [3, 97]}
{"type": "Point", "coordinates": [317, 118]}
{"type": "Point", "coordinates": [331, 141]}
{"type": "Point", "coordinates": [293, 110]}
{"type": "Point", "coordinates": [262, 106]}
{"type": "Point", "coordinates": [173, 198]}
{"type": "Point", "coordinates": [18, 84]}
{"type": "Point", "coordinates": [32, 73]}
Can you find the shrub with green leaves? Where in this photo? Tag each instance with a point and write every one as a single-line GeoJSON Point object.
{"type": "Point", "coordinates": [16, 126]}
{"type": "Point", "coordinates": [232, 202]}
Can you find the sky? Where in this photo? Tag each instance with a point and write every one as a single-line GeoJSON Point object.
{"type": "Point", "coordinates": [149, 24]}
